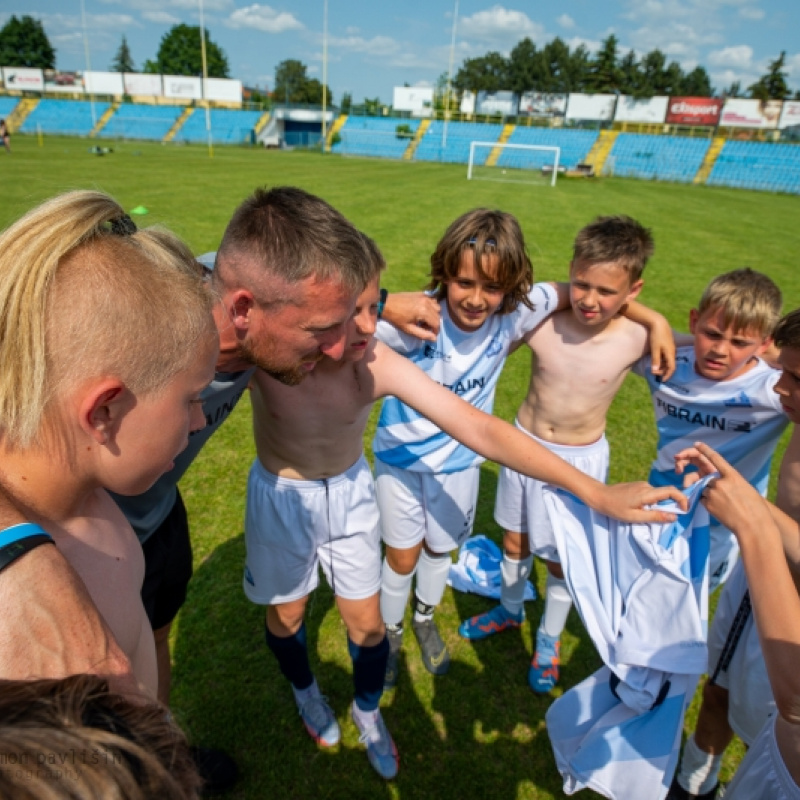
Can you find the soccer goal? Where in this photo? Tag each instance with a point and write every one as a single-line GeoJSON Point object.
{"type": "Point", "coordinates": [513, 163]}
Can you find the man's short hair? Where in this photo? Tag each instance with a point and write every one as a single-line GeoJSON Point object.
{"type": "Point", "coordinates": [748, 301]}
{"type": "Point", "coordinates": [289, 234]}
{"type": "Point", "coordinates": [619, 240]}
{"type": "Point", "coordinates": [787, 332]}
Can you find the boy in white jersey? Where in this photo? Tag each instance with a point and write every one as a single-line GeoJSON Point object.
{"type": "Point", "coordinates": [722, 392]}
{"type": "Point", "coordinates": [738, 698]}
{"type": "Point", "coordinates": [107, 340]}
{"type": "Point", "coordinates": [310, 501]}
{"type": "Point", "coordinates": [581, 357]}
{"type": "Point", "coordinates": [426, 483]}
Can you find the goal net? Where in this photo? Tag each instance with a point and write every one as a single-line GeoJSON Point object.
{"type": "Point", "coordinates": [513, 163]}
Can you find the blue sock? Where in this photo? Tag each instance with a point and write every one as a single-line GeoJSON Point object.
{"type": "Point", "coordinates": [292, 655]}
{"type": "Point", "coordinates": [369, 670]}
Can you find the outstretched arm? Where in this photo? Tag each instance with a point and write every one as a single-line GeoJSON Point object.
{"type": "Point", "coordinates": [495, 439]}
{"type": "Point", "coordinates": [662, 342]}
{"type": "Point", "coordinates": [776, 604]}
{"type": "Point", "coordinates": [414, 313]}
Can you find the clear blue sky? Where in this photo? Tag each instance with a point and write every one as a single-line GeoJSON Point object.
{"type": "Point", "coordinates": [374, 45]}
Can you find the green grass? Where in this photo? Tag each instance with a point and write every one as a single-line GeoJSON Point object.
{"type": "Point", "coordinates": [479, 731]}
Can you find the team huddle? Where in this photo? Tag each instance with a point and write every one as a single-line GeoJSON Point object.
{"type": "Point", "coordinates": [290, 306]}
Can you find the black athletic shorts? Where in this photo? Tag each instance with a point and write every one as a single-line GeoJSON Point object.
{"type": "Point", "coordinates": [167, 567]}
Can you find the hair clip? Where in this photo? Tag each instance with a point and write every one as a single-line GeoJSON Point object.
{"type": "Point", "coordinates": [123, 226]}
{"type": "Point", "coordinates": [490, 242]}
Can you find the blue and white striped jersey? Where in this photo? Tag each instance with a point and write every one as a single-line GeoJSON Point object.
{"type": "Point", "coordinates": [741, 418]}
{"type": "Point", "coordinates": [468, 364]}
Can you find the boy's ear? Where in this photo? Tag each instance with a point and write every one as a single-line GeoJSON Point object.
{"type": "Point", "coordinates": [693, 317]}
{"type": "Point", "coordinates": [101, 409]}
{"type": "Point", "coordinates": [636, 287]}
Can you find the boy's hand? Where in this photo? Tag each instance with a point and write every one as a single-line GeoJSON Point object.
{"type": "Point", "coordinates": [627, 501]}
{"type": "Point", "coordinates": [693, 457]}
{"type": "Point", "coordinates": [414, 313]}
{"type": "Point", "coordinates": [730, 498]}
{"type": "Point", "coordinates": [662, 349]}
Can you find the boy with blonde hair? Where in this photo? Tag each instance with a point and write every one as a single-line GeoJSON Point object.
{"type": "Point", "coordinates": [581, 357]}
{"type": "Point", "coordinates": [107, 340]}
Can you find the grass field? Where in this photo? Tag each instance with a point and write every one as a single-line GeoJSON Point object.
{"type": "Point", "coordinates": [479, 731]}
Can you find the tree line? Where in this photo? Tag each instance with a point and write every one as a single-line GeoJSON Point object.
{"type": "Point", "coordinates": [554, 68]}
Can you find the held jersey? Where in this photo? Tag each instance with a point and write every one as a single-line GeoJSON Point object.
{"type": "Point", "coordinates": [467, 363]}
{"type": "Point", "coordinates": [741, 418]}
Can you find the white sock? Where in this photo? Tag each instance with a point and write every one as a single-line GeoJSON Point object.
{"type": "Point", "coordinates": [699, 770]}
{"type": "Point", "coordinates": [514, 574]}
{"type": "Point", "coordinates": [365, 719]}
{"type": "Point", "coordinates": [395, 589]}
{"type": "Point", "coordinates": [556, 607]}
{"type": "Point", "coordinates": [432, 573]}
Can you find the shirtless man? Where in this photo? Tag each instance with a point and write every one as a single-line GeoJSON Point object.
{"type": "Point", "coordinates": [311, 501]}
{"type": "Point", "coordinates": [582, 355]}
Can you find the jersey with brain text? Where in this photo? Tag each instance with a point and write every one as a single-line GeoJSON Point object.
{"type": "Point", "coordinates": [467, 363]}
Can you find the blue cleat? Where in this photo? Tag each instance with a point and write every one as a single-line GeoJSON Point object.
{"type": "Point", "coordinates": [381, 750]}
{"type": "Point", "coordinates": [320, 722]}
{"type": "Point", "coordinates": [487, 624]}
{"type": "Point", "coordinates": [543, 674]}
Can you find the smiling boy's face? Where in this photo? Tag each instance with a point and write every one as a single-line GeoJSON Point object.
{"type": "Point", "coordinates": [472, 299]}
{"type": "Point", "coordinates": [721, 352]}
{"type": "Point", "coordinates": [361, 326]}
{"type": "Point", "coordinates": [597, 291]}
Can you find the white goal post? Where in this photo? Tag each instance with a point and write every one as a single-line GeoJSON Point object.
{"type": "Point", "coordinates": [513, 163]}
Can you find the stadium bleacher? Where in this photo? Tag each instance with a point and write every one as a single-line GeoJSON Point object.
{"type": "Point", "coordinates": [7, 105]}
{"type": "Point", "coordinates": [664, 158]}
{"type": "Point", "coordinates": [575, 146]}
{"type": "Point", "coordinates": [374, 136]}
{"type": "Point", "coordinates": [134, 121]}
{"type": "Point", "coordinates": [455, 147]}
{"type": "Point", "coordinates": [228, 126]}
{"type": "Point", "coordinates": [758, 165]}
{"type": "Point", "coordinates": [66, 117]}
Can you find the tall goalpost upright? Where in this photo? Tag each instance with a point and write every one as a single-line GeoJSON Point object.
{"type": "Point", "coordinates": [513, 163]}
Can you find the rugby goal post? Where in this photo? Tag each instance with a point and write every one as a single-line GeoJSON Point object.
{"type": "Point", "coordinates": [513, 163]}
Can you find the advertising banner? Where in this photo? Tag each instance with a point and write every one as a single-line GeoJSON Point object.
{"type": "Point", "coordinates": [224, 90]}
{"type": "Point", "coordinates": [55, 81]}
{"type": "Point", "coordinates": [468, 103]}
{"type": "Point", "coordinates": [416, 99]}
{"type": "Point", "coordinates": [591, 106]}
{"type": "Point", "coordinates": [137, 83]}
{"type": "Point", "coordinates": [23, 79]}
{"type": "Point", "coordinates": [790, 115]}
{"type": "Point", "coordinates": [542, 104]}
{"type": "Point", "coordinates": [740, 113]}
{"type": "Point", "coordinates": [104, 83]}
{"type": "Point", "coordinates": [504, 103]}
{"type": "Point", "coordinates": [694, 110]}
{"type": "Point", "coordinates": [651, 110]}
{"type": "Point", "coordinates": [183, 87]}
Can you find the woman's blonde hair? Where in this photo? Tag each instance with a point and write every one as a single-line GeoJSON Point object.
{"type": "Point", "coordinates": [83, 293]}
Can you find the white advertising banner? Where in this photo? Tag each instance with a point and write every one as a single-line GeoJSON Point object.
{"type": "Point", "coordinates": [504, 103]}
{"type": "Point", "coordinates": [651, 110]}
{"type": "Point", "coordinates": [23, 79]}
{"type": "Point", "coordinates": [542, 104]}
{"type": "Point", "coordinates": [137, 83]}
{"type": "Point", "coordinates": [790, 115]}
{"type": "Point", "coordinates": [416, 99]}
{"type": "Point", "coordinates": [183, 87]}
{"type": "Point", "coordinates": [740, 113]}
{"type": "Point", "coordinates": [468, 103]}
{"type": "Point", "coordinates": [224, 90]}
{"type": "Point", "coordinates": [591, 106]}
{"type": "Point", "coordinates": [103, 82]}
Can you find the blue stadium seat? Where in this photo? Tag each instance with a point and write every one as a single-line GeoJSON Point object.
{"type": "Point", "coordinates": [374, 136]}
{"type": "Point", "coordinates": [664, 158]}
{"type": "Point", "coordinates": [766, 166]}
{"type": "Point", "coordinates": [67, 117]}
{"type": "Point", "coordinates": [228, 126]}
{"type": "Point", "coordinates": [140, 121]}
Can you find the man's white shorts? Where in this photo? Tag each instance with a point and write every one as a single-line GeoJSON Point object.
{"type": "Point", "coordinates": [438, 508]}
{"type": "Point", "coordinates": [750, 699]}
{"type": "Point", "coordinates": [763, 775]}
{"type": "Point", "coordinates": [293, 526]}
{"type": "Point", "coordinates": [519, 505]}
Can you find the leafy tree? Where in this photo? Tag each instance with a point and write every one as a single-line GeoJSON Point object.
{"type": "Point", "coordinates": [772, 85]}
{"type": "Point", "coordinates": [23, 43]}
{"type": "Point", "coordinates": [734, 90]}
{"type": "Point", "coordinates": [180, 54]}
{"type": "Point", "coordinates": [604, 73]}
{"type": "Point", "coordinates": [123, 61]}
{"type": "Point", "coordinates": [292, 85]}
{"type": "Point", "coordinates": [346, 103]}
{"type": "Point", "coordinates": [488, 73]}
{"type": "Point", "coordinates": [698, 84]}
{"type": "Point", "coordinates": [524, 67]}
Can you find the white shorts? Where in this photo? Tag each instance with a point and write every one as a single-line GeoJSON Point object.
{"type": "Point", "coordinates": [750, 699]}
{"type": "Point", "coordinates": [292, 526]}
{"type": "Point", "coordinates": [519, 505]}
{"type": "Point", "coordinates": [762, 775]}
{"type": "Point", "coordinates": [438, 508]}
{"type": "Point", "coordinates": [723, 556]}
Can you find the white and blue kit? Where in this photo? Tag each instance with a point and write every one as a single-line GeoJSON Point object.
{"type": "Point", "coordinates": [740, 418]}
{"type": "Point", "coordinates": [469, 364]}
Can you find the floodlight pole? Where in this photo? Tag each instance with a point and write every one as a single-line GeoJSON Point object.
{"type": "Point", "coordinates": [205, 80]}
{"type": "Point", "coordinates": [88, 62]}
{"type": "Point", "coordinates": [324, 74]}
{"type": "Point", "coordinates": [449, 77]}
